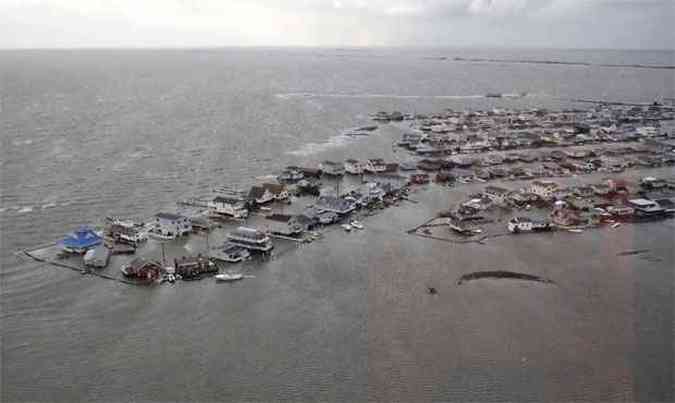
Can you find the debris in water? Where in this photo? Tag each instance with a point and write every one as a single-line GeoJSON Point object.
{"type": "Point", "coordinates": [499, 274]}
{"type": "Point", "coordinates": [632, 252]}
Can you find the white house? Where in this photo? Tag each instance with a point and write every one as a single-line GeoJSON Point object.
{"type": "Point", "coordinates": [375, 165]}
{"type": "Point", "coordinates": [543, 189]}
{"type": "Point", "coordinates": [524, 224]}
{"type": "Point", "coordinates": [260, 195]}
{"type": "Point", "coordinates": [353, 167]}
{"type": "Point", "coordinates": [171, 225]}
{"type": "Point", "coordinates": [228, 206]}
{"type": "Point", "coordinates": [279, 192]}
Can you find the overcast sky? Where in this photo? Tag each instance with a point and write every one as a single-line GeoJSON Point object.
{"type": "Point", "coordinates": [635, 24]}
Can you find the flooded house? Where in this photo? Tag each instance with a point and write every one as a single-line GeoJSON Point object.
{"type": "Point", "coordinates": [230, 253]}
{"type": "Point", "coordinates": [526, 224]}
{"type": "Point", "coordinates": [80, 241]}
{"type": "Point", "coordinates": [142, 269]}
{"type": "Point", "coordinates": [646, 209]}
{"type": "Point", "coordinates": [251, 239]}
{"type": "Point", "coordinates": [127, 234]}
{"type": "Point", "coordinates": [563, 216]}
{"type": "Point", "coordinates": [353, 167]}
{"type": "Point", "coordinates": [259, 195]}
{"type": "Point", "coordinates": [193, 266]}
{"type": "Point", "coordinates": [375, 165]}
{"type": "Point", "coordinates": [97, 257]}
{"type": "Point", "coordinates": [290, 174]}
{"type": "Point", "coordinates": [335, 204]}
{"type": "Point", "coordinates": [543, 188]}
{"type": "Point", "coordinates": [222, 206]}
{"type": "Point", "coordinates": [497, 195]}
{"type": "Point", "coordinates": [332, 168]}
{"type": "Point", "coordinates": [279, 191]}
{"type": "Point", "coordinates": [284, 224]}
{"type": "Point", "coordinates": [419, 179]}
{"type": "Point", "coordinates": [171, 226]}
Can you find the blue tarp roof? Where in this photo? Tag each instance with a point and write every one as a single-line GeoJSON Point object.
{"type": "Point", "coordinates": [82, 238]}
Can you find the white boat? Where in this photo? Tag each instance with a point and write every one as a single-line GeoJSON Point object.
{"type": "Point", "coordinates": [576, 231]}
{"type": "Point", "coordinates": [266, 208]}
{"type": "Point", "coordinates": [346, 227]}
{"type": "Point", "coordinates": [229, 277]}
{"type": "Point", "coordinates": [356, 224]}
{"type": "Point", "coordinates": [616, 225]}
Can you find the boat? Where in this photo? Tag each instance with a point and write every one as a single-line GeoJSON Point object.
{"type": "Point", "coordinates": [616, 225]}
{"type": "Point", "coordinates": [356, 224]}
{"type": "Point", "coordinates": [266, 208]}
{"type": "Point", "coordinates": [227, 277]}
{"type": "Point", "coordinates": [346, 227]}
{"type": "Point", "coordinates": [575, 230]}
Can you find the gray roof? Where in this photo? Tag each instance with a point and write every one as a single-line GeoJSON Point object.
{"type": "Point", "coordinates": [169, 216]}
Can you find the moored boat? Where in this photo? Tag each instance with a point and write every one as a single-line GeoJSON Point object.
{"type": "Point", "coordinates": [229, 277]}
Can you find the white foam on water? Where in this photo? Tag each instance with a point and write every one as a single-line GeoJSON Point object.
{"type": "Point", "coordinates": [290, 95]}
{"type": "Point", "coordinates": [18, 143]}
{"type": "Point", "coordinates": [315, 148]}
{"type": "Point", "coordinates": [26, 209]}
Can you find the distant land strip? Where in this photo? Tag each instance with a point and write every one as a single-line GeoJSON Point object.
{"type": "Point", "coordinates": [556, 62]}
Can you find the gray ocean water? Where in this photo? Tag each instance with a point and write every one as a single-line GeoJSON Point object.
{"type": "Point", "coordinates": [89, 133]}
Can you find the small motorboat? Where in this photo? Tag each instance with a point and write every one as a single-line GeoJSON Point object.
{"type": "Point", "coordinates": [228, 277]}
{"type": "Point", "coordinates": [356, 224]}
{"type": "Point", "coordinates": [346, 227]}
{"type": "Point", "coordinates": [616, 225]}
{"type": "Point", "coordinates": [576, 231]}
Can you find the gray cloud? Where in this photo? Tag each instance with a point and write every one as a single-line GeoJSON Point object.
{"type": "Point", "coordinates": [541, 23]}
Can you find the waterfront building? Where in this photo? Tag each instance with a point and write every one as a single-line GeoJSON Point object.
{"type": "Point", "coordinates": [524, 224]}
{"type": "Point", "coordinates": [142, 269]}
{"type": "Point", "coordinates": [332, 168]}
{"type": "Point", "coordinates": [260, 195]}
{"type": "Point", "coordinates": [171, 226]}
{"type": "Point", "coordinates": [353, 167]}
{"type": "Point", "coordinates": [231, 253]}
{"type": "Point", "coordinates": [228, 206]}
{"type": "Point", "coordinates": [543, 189]}
{"type": "Point", "coordinates": [646, 209]}
{"type": "Point", "coordinates": [278, 191]}
{"type": "Point", "coordinates": [375, 165]}
{"type": "Point", "coordinates": [80, 241]}
{"type": "Point", "coordinates": [496, 194]}
{"type": "Point", "coordinates": [284, 224]}
{"type": "Point", "coordinates": [129, 234]}
{"type": "Point", "coordinates": [251, 239]}
{"type": "Point", "coordinates": [335, 204]}
{"type": "Point", "coordinates": [97, 257]}
{"type": "Point", "coordinates": [192, 266]}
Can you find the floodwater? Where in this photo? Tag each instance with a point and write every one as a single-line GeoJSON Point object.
{"type": "Point", "coordinates": [348, 318]}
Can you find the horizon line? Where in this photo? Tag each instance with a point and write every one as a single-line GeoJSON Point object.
{"type": "Point", "coordinates": [328, 47]}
